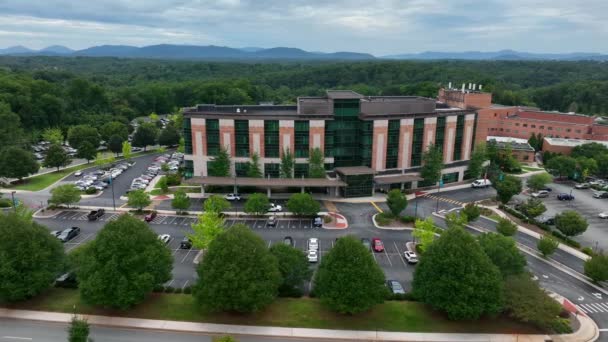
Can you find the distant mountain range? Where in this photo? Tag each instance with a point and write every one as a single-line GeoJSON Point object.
{"type": "Point", "coordinates": [211, 52]}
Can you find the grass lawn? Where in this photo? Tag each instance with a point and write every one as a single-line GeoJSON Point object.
{"type": "Point", "coordinates": [284, 312]}
{"type": "Point", "coordinates": [194, 189]}
{"type": "Point", "coordinates": [529, 168]}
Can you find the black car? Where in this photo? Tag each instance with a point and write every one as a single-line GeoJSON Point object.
{"type": "Point", "coordinates": [67, 280]}
{"type": "Point", "coordinates": [565, 197]}
{"type": "Point", "coordinates": [550, 221]}
{"type": "Point", "coordinates": [186, 243]}
{"type": "Point", "coordinates": [288, 241]}
{"type": "Point", "coordinates": [68, 234]}
{"type": "Point", "coordinates": [95, 214]}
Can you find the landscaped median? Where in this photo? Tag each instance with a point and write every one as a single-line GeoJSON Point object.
{"type": "Point", "coordinates": [284, 312]}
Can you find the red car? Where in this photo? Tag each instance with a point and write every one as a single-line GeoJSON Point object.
{"type": "Point", "coordinates": [150, 216]}
{"type": "Point", "coordinates": [377, 245]}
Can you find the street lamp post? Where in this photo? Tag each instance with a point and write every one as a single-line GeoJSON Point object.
{"type": "Point", "coordinates": [112, 185]}
{"type": "Point", "coordinates": [13, 198]}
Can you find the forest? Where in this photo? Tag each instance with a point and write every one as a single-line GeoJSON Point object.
{"type": "Point", "coordinates": [63, 91]}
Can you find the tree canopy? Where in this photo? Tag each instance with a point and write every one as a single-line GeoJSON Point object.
{"type": "Point", "coordinates": [57, 157]}
{"type": "Point", "coordinates": [293, 267]}
{"type": "Point", "coordinates": [257, 204]}
{"type": "Point", "coordinates": [17, 163]}
{"type": "Point", "coordinates": [396, 201]}
{"type": "Point", "coordinates": [507, 188]}
{"type": "Point", "coordinates": [65, 194]}
{"type": "Point", "coordinates": [503, 252]}
{"type": "Point", "coordinates": [145, 135]}
{"type": "Point", "coordinates": [220, 164]}
{"type": "Point", "coordinates": [303, 204]}
{"type": "Point", "coordinates": [432, 164]}
{"type": "Point", "coordinates": [570, 223]}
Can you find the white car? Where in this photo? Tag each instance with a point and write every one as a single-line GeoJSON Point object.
{"type": "Point", "coordinates": [164, 238]}
{"type": "Point", "coordinates": [603, 215]}
{"type": "Point", "coordinates": [540, 194]}
{"type": "Point", "coordinates": [78, 173]}
{"type": "Point", "coordinates": [313, 244]}
{"type": "Point", "coordinates": [313, 256]}
{"type": "Point", "coordinates": [481, 183]}
{"type": "Point", "coordinates": [274, 208]}
{"type": "Point", "coordinates": [411, 257]}
{"type": "Point", "coordinates": [233, 197]}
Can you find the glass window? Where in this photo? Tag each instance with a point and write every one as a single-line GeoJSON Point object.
{"type": "Point", "coordinates": [459, 137]}
{"type": "Point", "coordinates": [392, 144]}
{"type": "Point", "coordinates": [300, 170]}
{"type": "Point", "coordinates": [440, 133]}
{"type": "Point", "coordinates": [301, 139]}
{"type": "Point", "coordinates": [241, 169]}
{"type": "Point", "coordinates": [213, 136]}
{"type": "Point", "coordinates": [187, 132]}
{"type": "Point", "coordinates": [417, 142]}
{"type": "Point", "coordinates": [272, 170]}
{"type": "Point", "coordinates": [241, 137]}
{"type": "Point", "coordinates": [271, 138]}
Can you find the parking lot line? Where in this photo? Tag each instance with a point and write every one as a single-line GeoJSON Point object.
{"type": "Point", "coordinates": [376, 206]}
{"type": "Point", "coordinates": [189, 250]}
{"type": "Point", "coordinates": [269, 242]}
{"type": "Point", "coordinates": [388, 257]}
{"type": "Point", "coordinates": [169, 283]}
{"type": "Point", "coordinates": [399, 254]}
{"type": "Point", "coordinates": [185, 284]}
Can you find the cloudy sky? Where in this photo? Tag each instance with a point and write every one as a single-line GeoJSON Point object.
{"type": "Point", "coordinates": [380, 27]}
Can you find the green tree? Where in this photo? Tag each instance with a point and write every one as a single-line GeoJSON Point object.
{"type": "Point", "coordinates": [115, 144]}
{"type": "Point", "coordinates": [238, 273]}
{"type": "Point", "coordinates": [31, 258]}
{"type": "Point", "coordinates": [533, 141]}
{"type": "Point", "coordinates": [506, 227]}
{"type": "Point", "coordinates": [56, 157]}
{"type": "Point", "coordinates": [81, 133]}
{"type": "Point", "coordinates": [432, 164]}
{"type": "Point", "coordinates": [472, 211]}
{"type": "Point", "coordinates": [590, 150]}
{"type": "Point", "coordinates": [561, 165]}
{"type": "Point", "coordinates": [503, 252]}
{"type": "Point", "coordinates": [206, 229]}
{"type": "Point", "coordinates": [225, 339]}
{"type": "Point", "coordinates": [182, 145]}
{"type": "Point", "coordinates": [596, 268]}
{"type": "Point", "coordinates": [303, 204]}
{"type": "Point", "coordinates": [539, 181]}
{"type": "Point", "coordinates": [294, 269]}
{"type": "Point", "coordinates": [424, 231]}
{"type": "Point", "coordinates": [78, 330]}
{"type": "Point", "coordinates": [126, 150]}
{"type": "Point", "coordinates": [547, 245]}
{"type": "Point", "coordinates": [456, 220]}
{"type": "Point", "coordinates": [123, 264]}
{"type": "Point", "coordinates": [17, 163]}
{"type": "Point", "coordinates": [507, 188]}
{"type": "Point", "coordinates": [53, 135]}
{"type": "Point", "coordinates": [138, 199]}
{"type": "Point", "coordinates": [478, 157]}
{"type": "Point", "coordinates": [162, 184]}
{"type": "Point", "coordinates": [349, 280]}
{"type": "Point", "coordinates": [533, 207]}
{"type": "Point", "coordinates": [287, 164]}
{"type": "Point", "coordinates": [257, 204]}
{"type": "Point", "coordinates": [114, 128]}
{"type": "Point", "coordinates": [216, 204]}
{"type": "Point", "coordinates": [145, 135]}
{"type": "Point", "coordinates": [470, 285]}
{"type": "Point", "coordinates": [87, 151]}
{"type": "Point", "coordinates": [585, 167]}
{"type": "Point", "coordinates": [220, 164]}
{"type": "Point", "coordinates": [65, 194]}
{"type": "Point", "coordinates": [253, 167]}
{"type": "Point", "coordinates": [527, 302]}
{"type": "Point", "coordinates": [570, 223]}
{"type": "Point", "coordinates": [101, 161]}
{"type": "Point", "coordinates": [180, 201]}
{"type": "Point", "coordinates": [396, 201]}
{"type": "Point", "coordinates": [11, 132]}
{"type": "Point", "coordinates": [169, 136]}
{"type": "Point", "coordinates": [316, 163]}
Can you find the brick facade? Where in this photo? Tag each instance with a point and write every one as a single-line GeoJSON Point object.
{"type": "Point", "coordinates": [406, 134]}
{"type": "Point", "coordinates": [379, 144]}
{"type": "Point", "coordinates": [286, 136]}
{"type": "Point", "coordinates": [317, 134]}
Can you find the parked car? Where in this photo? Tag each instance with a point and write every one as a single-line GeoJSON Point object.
{"type": "Point", "coordinates": [395, 287]}
{"type": "Point", "coordinates": [95, 214]}
{"type": "Point", "coordinates": [317, 222]}
{"type": "Point", "coordinates": [67, 280]}
{"type": "Point", "coordinates": [164, 238]}
{"type": "Point", "coordinates": [540, 194]}
{"type": "Point", "coordinates": [366, 243]}
{"type": "Point", "coordinates": [55, 233]}
{"type": "Point", "coordinates": [186, 243]}
{"type": "Point", "coordinates": [233, 197]}
{"type": "Point", "coordinates": [78, 173]}
{"type": "Point", "coordinates": [275, 208]}
{"type": "Point", "coordinates": [603, 215]}
{"type": "Point", "coordinates": [600, 194]}
{"type": "Point", "coordinates": [313, 244]}
{"type": "Point", "coordinates": [288, 241]}
{"type": "Point", "coordinates": [565, 197]}
{"type": "Point", "coordinates": [68, 234]}
{"type": "Point", "coordinates": [377, 245]}
{"type": "Point", "coordinates": [481, 183]}
{"type": "Point", "coordinates": [313, 256]}
{"type": "Point", "coordinates": [582, 186]}
{"type": "Point", "coordinates": [150, 216]}
{"type": "Point", "coordinates": [548, 220]}
{"type": "Point", "coordinates": [272, 221]}
{"type": "Point", "coordinates": [411, 257]}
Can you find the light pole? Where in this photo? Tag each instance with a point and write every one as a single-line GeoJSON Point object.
{"type": "Point", "coordinates": [13, 198]}
{"type": "Point", "coordinates": [235, 193]}
{"type": "Point", "coordinates": [112, 185]}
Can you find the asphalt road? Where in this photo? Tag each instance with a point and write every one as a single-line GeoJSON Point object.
{"type": "Point", "coordinates": [20, 330]}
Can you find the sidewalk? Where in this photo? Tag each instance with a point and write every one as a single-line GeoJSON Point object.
{"type": "Point", "coordinates": [351, 335]}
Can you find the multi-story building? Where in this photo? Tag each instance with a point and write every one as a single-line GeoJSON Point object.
{"type": "Point", "coordinates": [373, 141]}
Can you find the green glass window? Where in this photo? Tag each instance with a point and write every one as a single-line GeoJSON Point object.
{"type": "Point", "coordinates": [300, 170]}
{"type": "Point", "coordinates": [271, 138]}
{"type": "Point", "coordinates": [417, 142]}
{"type": "Point", "coordinates": [213, 136]}
{"type": "Point", "coordinates": [450, 177]}
{"type": "Point", "coordinates": [358, 185]}
{"type": "Point", "coordinates": [302, 134]}
{"type": "Point", "coordinates": [241, 169]}
{"type": "Point", "coordinates": [366, 142]}
{"type": "Point", "coordinates": [188, 169]}
{"type": "Point", "coordinates": [346, 133]}
{"type": "Point", "coordinates": [271, 170]}
{"type": "Point", "coordinates": [392, 144]}
{"type": "Point", "coordinates": [459, 136]}
{"type": "Point", "coordinates": [440, 133]}
{"type": "Point", "coordinates": [241, 138]}
{"type": "Point", "coordinates": [329, 138]}
{"type": "Point", "coordinates": [187, 133]}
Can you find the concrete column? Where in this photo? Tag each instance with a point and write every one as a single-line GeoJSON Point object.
{"type": "Point", "coordinates": [268, 192]}
{"type": "Point", "coordinates": [379, 145]}
{"type": "Point", "coordinates": [460, 176]}
{"type": "Point", "coordinates": [286, 136]}
{"type": "Point", "coordinates": [405, 143]}
{"type": "Point", "coordinates": [203, 190]}
{"type": "Point", "coordinates": [430, 125]}
{"type": "Point", "coordinates": [469, 123]}
{"type": "Point", "coordinates": [450, 138]}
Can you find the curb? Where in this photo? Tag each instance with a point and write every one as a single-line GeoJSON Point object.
{"type": "Point", "coordinates": [91, 196]}
{"type": "Point", "coordinates": [335, 215]}
{"type": "Point", "coordinates": [388, 228]}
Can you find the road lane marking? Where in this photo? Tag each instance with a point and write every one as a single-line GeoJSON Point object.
{"type": "Point", "coordinates": [376, 206]}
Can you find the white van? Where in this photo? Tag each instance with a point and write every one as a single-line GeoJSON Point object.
{"type": "Point", "coordinates": [481, 183]}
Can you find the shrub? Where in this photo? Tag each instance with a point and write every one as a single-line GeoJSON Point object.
{"type": "Point", "coordinates": [506, 227]}
{"type": "Point", "coordinates": [588, 250]}
{"type": "Point", "coordinates": [90, 191]}
{"type": "Point", "coordinates": [472, 211]}
{"type": "Point", "coordinates": [407, 219]}
{"type": "Point", "coordinates": [187, 290]}
{"type": "Point", "coordinates": [568, 241]}
{"type": "Point", "coordinates": [169, 289]}
{"type": "Point", "coordinates": [5, 203]}
{"type": "Point", "coordinates": [173, 179]}
{"type": "Point", "coordinates": [158, 288]}
{"type": "Point", "coordinates": [382, 219]}
{"type": "Point", "coordinates": [178, 290]}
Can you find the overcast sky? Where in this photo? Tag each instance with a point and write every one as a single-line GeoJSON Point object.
{"type": "Point", "coordinates": [379, 27]}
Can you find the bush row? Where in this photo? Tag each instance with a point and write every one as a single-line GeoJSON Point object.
{"type": "Point", "coordinates": [568, 241]}
{"type": "Point", "coordinates": [524, 218]}
{"type": "Point", "coordinates": [170, 289]}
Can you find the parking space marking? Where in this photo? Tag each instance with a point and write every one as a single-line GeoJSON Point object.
{"type": "Point", "coordinates": [169, 283]}
{"type": "Point", "coordinates": [376, 206]}
{"type": "Point", "coordinates": [185, 284]}
{"type": "Point", "coordinates": [269, 242]}
{"type": "Point", "coordinates": [184, 259]}
{"type": "Point", "coordinates": [389, 258]}
{"type": "Point", "coordinates": [399, 254]}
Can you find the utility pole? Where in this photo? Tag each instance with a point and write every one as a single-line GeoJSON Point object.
{"type": "Point", "coordinates": [14, 203]}
{"type": "Point", "coordinates": [112, 185]}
